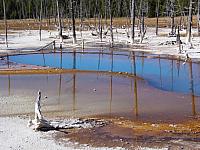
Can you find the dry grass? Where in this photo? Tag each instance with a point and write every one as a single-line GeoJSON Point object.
{"type": "Point", "coordinates": [34, 24]}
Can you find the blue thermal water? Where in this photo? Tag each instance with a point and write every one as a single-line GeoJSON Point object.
{"type": "Point", "coordinates": [165, 74]}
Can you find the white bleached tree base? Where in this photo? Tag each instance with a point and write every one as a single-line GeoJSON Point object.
{"type": "Point", "coordinates": [39, 123]}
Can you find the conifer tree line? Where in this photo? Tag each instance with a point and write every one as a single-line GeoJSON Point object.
{"type": "Point", "coordinates": [30, 9]}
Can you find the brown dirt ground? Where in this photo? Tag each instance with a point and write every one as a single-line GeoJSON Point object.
{"type": "Point", "coordinates": [131, 134]}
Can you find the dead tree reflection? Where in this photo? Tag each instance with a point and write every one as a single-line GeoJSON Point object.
{"type": "Point", "coordinates": [111, 82]}
{"type": "Point", "coordinates": [9, 85]}
{"type": "Point", "coordinates": [135, 85]}
{"type": "Point", "coordinates": [160, 68]}
{"type": "Point", "coordinates": [192, 89]}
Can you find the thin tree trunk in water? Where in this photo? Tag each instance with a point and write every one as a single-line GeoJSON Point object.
{"type": "Point", "coordinates": [133, 21]}
{"type": "Point", "coordinates": [198, 18]}
{"type": "Point", "coordinates": [73, 22]}
{"type": "Point", "coordinates": [111, 24]}
{"type": "Point", "coordinates": [157, 15]}
{"type": "Point", "coordinates": [5, 22]}
{"type": "Point", "coordinates": [40, 30]}
{"type": "Point", "coordinates": [189, 23]}
{"type": "Point", "coordinates": [59, 21]}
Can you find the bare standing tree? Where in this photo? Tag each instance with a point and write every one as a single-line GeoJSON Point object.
{"type": "Point", "coordinates": [157, 15]}
{"type": "Point", "coordinates": [105, 14]}
{"type": "Point", "coordinates": [81, 18]}
{"type": "Point", "coordinates": [73, 22]}
{"type": "Point", "coordinates": [133, 21]}
{"type": "Point", "coordinates": [59, 21]}
{"type": "Point", "coordinates": [5, 22]}
{"type": "Point", "coordinates": [40, 19]}
{"type": "Point", "coordinates": [142, 27]}
{"type": "Point", "coordinates": [172, 17]}
{"type": "Point", "coordinates": [111, 24]}
{"type": "Point", "coordinates": [198, 17]}
{"type": "Point", "coordinates": [189, 29]}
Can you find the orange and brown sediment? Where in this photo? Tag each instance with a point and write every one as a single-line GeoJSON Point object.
{"type": "Point", "coordinates": [15, 68]}
{"type": "Point", "coordinates": [190, 127]}
{"type": "Point", "coordinates": [133, 134]}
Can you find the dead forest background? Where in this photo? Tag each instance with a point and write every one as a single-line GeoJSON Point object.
{"type": "Point", "coordinates": [24, 9]}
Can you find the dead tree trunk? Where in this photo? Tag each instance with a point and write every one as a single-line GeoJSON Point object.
{"type": "Point", "coordinates": [198, 18]}
{"type": "Point", "coordinates": [59, 21]}
{"type": "Point", "coordinates": [40, 19]}
{"type": "Point", "coordinates": [178, 39]}
{"type": "Point", "coordinates": [5, 22]}
{"type": "Point", "coordinates": [111, 24]}
{"type": "Point", "coordinates": [38, 114]}
{"type": "Point", "coordinates": [189, 32]}
{"type": "Point", "coordinates": [105, 24]}
{"type": "Point", "coordinates": [157, 15]}
{"type": "Point", "coordinates": [100, 26]}
{"type": "Point", "coordinates": [73, 22]}
{"type": "Point", "coordinates": [81, 18]}
{"type": "Point", "coordinates": [172, 17]}
{"type": "Point", "coordinates": [133, 21]}
{"type": "Point", "coordinates": [95, 14]}
{"type": "Point", "coordinates": [142, 28]}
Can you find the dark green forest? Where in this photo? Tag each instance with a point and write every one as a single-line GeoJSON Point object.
{"type": "Point", "coordinates": [24, 9]}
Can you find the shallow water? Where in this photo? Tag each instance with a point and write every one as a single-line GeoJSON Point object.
{"type": "Point", "coordinates": [165, 74]}
{"type": "Point", "coordinates": [83, 94]}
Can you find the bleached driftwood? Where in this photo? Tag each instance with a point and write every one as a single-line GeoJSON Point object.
{"type": "Point", "coordinates": [39, 123]}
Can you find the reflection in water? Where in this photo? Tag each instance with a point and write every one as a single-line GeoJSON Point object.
{"type": "Point", "coordinates": [111, 93]}
{"type": "Point", "coordinates": [44, 61]}
{"type": "Point", "coordinates": [136, 97]}
{"type": "Point", "coordinates": [172, 75]}
{"type": "Point", "coordinates": [99, 62]}
{"type": "Point", "coordinates": [9, 86]}
{"type": "Point", "coordinates": [135, 86]}
{"type": "Point", "coordinates": [142, 63]}
{"type": "Point", "coordinates": [192, 89]}
{"type": "Point", "coordinates": [60, 86]}
{"type": "Point", "coordinates": [160, 68]}
{"type": "Point", "coordinates": [111, 81]}
{"type": "Point", "coordinates": [8, 61]}
{"type": "Point", "coordinates": [159, 72]}
{"type": "Point", "coordinates": [74, 59]}
{"type": "Point", "coordinates": [107, 99]}
{"type": "Point", "coordinates": [178, 67]}
{"type": "Point", "coordinates": [74, 92]}
{"type": "Point", "coordinates": [61, 58]}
